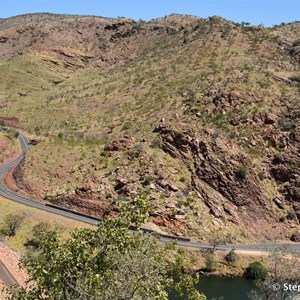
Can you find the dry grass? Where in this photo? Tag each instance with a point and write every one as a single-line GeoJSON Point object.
{"type": "Point", "coordinates": [32, 217]}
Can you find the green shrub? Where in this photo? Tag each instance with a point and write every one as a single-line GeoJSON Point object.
{"type": "Point", "coordinates": [135, 151]}
{"type": "Point", "coordinates": [231, 256]}
{"type": "Point", "coordinates": [261, 175]}
{"type": "Point", "coordinates": [210, 263]}
{"type": "Point", "coordinates": [155, 143]}
{"type": "Point", "coordinates": [127, 125]}
{"type": "Point", "coordinates": [182, 179]}
{"type": "Point", "coordinates": [285, 124]}
{"type": "Point", "coordinates": [37, 130]}
{"type": "Point", "coordinates": [61, 135]}
{"type": "Point", "coordinates": [243, 171]}
{"type": "Point", "coordinates": [295, 78]}
{"type": "Point", "coordinates": [291, 215]}
{"type": "Point", "coordinates": [147, 181]}
{"type": "Point", "coordinates": [257, 271]}
{"type": "Point", "coordinates": [34, 243]}
{"type": "Point", "coordinates": [10, 225]}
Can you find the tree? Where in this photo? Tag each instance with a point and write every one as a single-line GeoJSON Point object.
{"type": "Point", "coordinates": [218, 237]}
{"type": "Point", "coordinates": [107, 263]}
{"type": "Point", "coordinates": [284, 269]}
{"type": "Point", "coordinates": [256, 270]}
{"type": "Point", "coordinates": [210, 262]}
{"type": "Point", "coordinates": [11, 223]}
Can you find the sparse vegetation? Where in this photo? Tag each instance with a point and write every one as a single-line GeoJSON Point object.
{"type": "Point", "coordinates": [231, 90]}
{"type": "Point", "coordinates": [135, 151]}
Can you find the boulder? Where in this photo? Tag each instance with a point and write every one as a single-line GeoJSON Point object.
{"type": "Point", "coordinates": [119, 144]}
{"type": "Point", "coordinates": [295, 237]}
{"type": "Point", "coordinates": [278, 202]}
{"type": "Point", "coordinates": [269, 119]}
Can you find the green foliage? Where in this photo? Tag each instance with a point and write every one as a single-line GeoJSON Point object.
{"type": "Point", "coordinates": [11, 224]}
{"type": "Point", "coordinates": [256, 270]}
{"type": "Point", "coordinates": [127, 125]}
{"type": "Point", "coordinates": [243, 171]}
{"type": "Point", "coordinates": [34, 243]}
{"type": "Point", "coordinates": [261, 175]}
{"type": "Point", "coordinates": [61, 135]}
{"type": "Point", "coordinates": [285, 124]}
{"type": "Point", "coordinates": [210, 263]}
{"type": "Point", "coordinates": [284, 266]}
{"type": "Point", "coordinates": [156, 143]}
{"type": "Point", "coordinates": [37, 130]}
{"type": "Point", "coordinates": [231, 256]}
{"type": "Point", "coordinates": [12, 133]}
{"type": "Point", "coordinates": [107, 263]}
{"type": "Point", "coordinates": [291, 215]}
{"type": "Point", "coordinates": [182, 179]}
{"type": "Point", "coordinates": [184, 285]}
{"type": "Point", "coordinates": [295, 78]}
{"type": "Point", "coordinates": [147, 181]}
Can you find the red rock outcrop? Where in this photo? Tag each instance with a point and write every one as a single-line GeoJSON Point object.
{"type": "Point", "coordinates": [10, 121]}
{"type": "Point", "coordinates": [222, 172]}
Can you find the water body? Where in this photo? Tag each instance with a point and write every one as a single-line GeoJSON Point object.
{"type": "Point", "coordinates": [218, 288]}
{"type": "Point", "coordinates": [228, 288]}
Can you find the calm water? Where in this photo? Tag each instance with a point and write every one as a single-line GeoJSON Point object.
{"type": "Point", "coordinates": [228, 288]}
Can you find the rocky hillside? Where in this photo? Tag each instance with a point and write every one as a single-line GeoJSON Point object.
{"type": "Point", "coordinates": [200, 115]}
{"type": "Point", "coordinates": [9, 147]}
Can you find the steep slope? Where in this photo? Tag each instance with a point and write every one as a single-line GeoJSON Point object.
{"type": "Point", "coordinates": [202, 115]}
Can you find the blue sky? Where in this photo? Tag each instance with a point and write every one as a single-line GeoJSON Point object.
{"type": "Point", "coordinates": [267, 12]}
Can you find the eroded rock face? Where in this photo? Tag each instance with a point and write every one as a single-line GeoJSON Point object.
{"type": "Point", "coordinates": [286, 169]}
{"type": "Point", "coordinates": [295, 52]}
{"type": "Point", "coordinates": [222, 173]}
{"type": "Point", "coordinates": [84, 200]}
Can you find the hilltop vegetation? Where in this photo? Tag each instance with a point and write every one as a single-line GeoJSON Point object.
{"type": "Point", "coordinates": [201, 114]}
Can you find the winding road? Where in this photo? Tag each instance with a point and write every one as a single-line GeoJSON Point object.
{"type": "Point", "coordinates": [4, 192]}
{"type": "Point", "coordinates": [5, 276]}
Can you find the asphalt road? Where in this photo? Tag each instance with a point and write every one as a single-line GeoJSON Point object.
{"type": "Point", "coordinates": [6, 276]}
{"type": "Point", "coordinates": [11, 196]}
